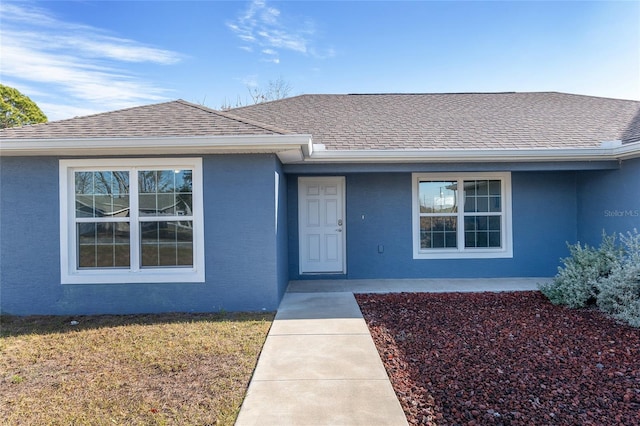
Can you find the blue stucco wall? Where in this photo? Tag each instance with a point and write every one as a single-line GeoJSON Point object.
{"type": "Point", "coordinates": [242, 245]}
{"type": "Point", "coordinates": [251, 253]}
{"type": "Point", "coordinates": [608, 201]}
{"type": "Point", "coordinates": [282, 243]}
{"type": "Point", "coordinates": [29, 229]}
{"type": "Point", "coordinates": [544, 218]}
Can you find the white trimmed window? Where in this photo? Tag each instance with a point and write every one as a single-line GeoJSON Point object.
{"type": "Point", "coordinates": [131, 221]}
{"type": "Point", "coordinates": [463, 215]}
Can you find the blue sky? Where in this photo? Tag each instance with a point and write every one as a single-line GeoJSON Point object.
{"type": "Point", "coordinates": [82, 57]}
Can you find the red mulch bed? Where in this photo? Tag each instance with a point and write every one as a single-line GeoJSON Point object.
{"type": "Point", "coordinates": [505, 359]}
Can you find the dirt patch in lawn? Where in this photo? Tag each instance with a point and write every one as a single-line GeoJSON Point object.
{"type": "Point", "coordinates": [505, 359]}
{"type": "Point", "coordinates": [129, 369]}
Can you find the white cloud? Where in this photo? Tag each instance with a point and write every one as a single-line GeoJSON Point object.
{"type": "Point", "coordinates": [265, 27]}
{"type": "Point", "coordinates": [250, 80]}
{"type": "Point", "coordinates": [74, 67]}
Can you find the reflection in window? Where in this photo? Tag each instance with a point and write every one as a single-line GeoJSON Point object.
{"type": "Point", "coordinates": [103, 240]}
{"type": "Point", "coordinates": [438, 197]}
{"type": "Point", "coordinates": [166, 243]}
{"type": "Point", "coordinates": [165, 198]}
{"type": "Point", "coordinates": [438, 232]}
{"type": "Point", "coordinates": [102, 194]}
{"type": "Point", "coordinates": [483, 196]}
{"type": "Point", "coordinates": [438, 211]}
{"type": "Point", "coordinates": [165, 192]}
{"type": "Point", "coordinates": [131, 220]}
{"type": "Point", "coordinates": [103, 245]}
{"type": "Point", "coordinates": [462, 215]}
{"type": "Point", "coordinates": [164, 218]}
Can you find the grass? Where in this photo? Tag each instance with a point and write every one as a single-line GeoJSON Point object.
{"type": "Point", "coordinates": [162, 369]}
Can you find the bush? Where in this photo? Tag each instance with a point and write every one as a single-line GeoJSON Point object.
{"type": "Point", "coordinates": [577, 282]}
{"type": "Point", "coordinates": [619, 292]}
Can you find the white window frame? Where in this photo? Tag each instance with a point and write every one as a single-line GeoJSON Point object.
{"type": "Point", "coordinates": [461, 252]}
{"type": "Point", "coordinates": [71, 274]}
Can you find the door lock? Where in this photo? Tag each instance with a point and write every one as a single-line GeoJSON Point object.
{"type": "Point", "coordinates": [339, 222]}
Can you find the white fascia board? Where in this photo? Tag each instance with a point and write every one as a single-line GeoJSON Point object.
{"type": "Point", "coordinates": [298, 148]}
{"type": "Point", "coordinates": [158, 145]}
{"type": "Point", "coordinates": [476, 155]}
{"type": "Point", "coordinates": [628, 151]}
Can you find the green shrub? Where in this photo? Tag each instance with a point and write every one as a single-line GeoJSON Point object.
{"type": "Point", "coordinates": [619, 292]}
{"type": "Point", "coordinates": [577, 282]}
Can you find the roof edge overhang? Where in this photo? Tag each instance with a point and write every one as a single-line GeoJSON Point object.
{"type": "Point", "coordinates": [299, 149]}
{"type": "Point", "coordinates": [290, 147]}
{"type": "Point", "coordinates": [622, 152]}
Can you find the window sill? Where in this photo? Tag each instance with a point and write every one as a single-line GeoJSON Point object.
{"type": "Point", "coordinates": [468, 254]}
{"type": "Point", "coordinates": [173, 275]}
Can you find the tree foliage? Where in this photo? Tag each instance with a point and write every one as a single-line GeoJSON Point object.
{"type": "Point", "coordinates": [17, 109]}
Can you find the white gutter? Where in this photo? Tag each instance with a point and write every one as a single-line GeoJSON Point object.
{"type": "Point", "coordinates": [298, 149]}
{"type": "Point", "coordinates": [291, 146]}
{"type": "Point", "coordinates": [622, 152]}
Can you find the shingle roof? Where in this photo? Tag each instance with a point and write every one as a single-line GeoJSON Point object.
{"type": "Point", "coordinates": [453, 121]}
{"type": "Point", "coordinates": [176, 118]}
{"type": "Point", "coordinates": [378, 121]}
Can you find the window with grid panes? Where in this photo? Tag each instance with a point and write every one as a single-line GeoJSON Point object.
{"type": "Point", "coordinates": [132, 220]}
{"type": "Point", "coordinates": [465, 215]}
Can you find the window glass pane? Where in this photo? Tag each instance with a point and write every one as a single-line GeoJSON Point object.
{"type": "Point", "coordinates": [147, 182]}
{"type": "Point", "coordinates": [482, 231]}
{"type": "Point", "coordinates": [165, 192]}
{"type": "Point", "coordinates": [482, 204]}
{"type": "Point", "coordinates": [482, 187]}
{"type": "Point", "coordinates": [470, 239]}
{"type": "Point", "coordinates": [495, 204]}
{"type": "Point", "coordinates": [147, 205]}
{"type": "Point", "coordinates": [84, 182]}
{"type": "Point", "coordinates": [494, 239]}
{"type": "Point", "coordinates": [470, 196]}
{"type": "Point", "coordinates": [482, 196]}
{"type": "Point", "coordinates": [494, 223]}
{"type": "Point", "coordinates": [438, 197]}
{"type": "Point", "coordinates": [166, 243]}
{"type": "Point", "coordinates": [438, 232]}
{"type": "Point", "coordinates": [494, 187]}
{"type": "Point", "coordinates": [100, 194]}
{"type": "Point", "coordinates": [482, 239]}
{"type": "Point", "coordinates": [103, 245]}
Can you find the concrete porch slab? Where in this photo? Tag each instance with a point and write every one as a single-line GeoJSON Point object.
{"type": "Point", "coordinates": [439, 285]}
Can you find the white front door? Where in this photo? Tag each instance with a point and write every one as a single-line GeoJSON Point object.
{"type": "Point", "coordinates": [321, 224]}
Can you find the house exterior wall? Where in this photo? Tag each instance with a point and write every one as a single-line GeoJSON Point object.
{"type": "Point", "coordinates": [282, 243]}
{"type": "Point", "coordinates": [608, 201]}
{"type": "Point", "coordinates": [543, 215]}
{"type": "Point", "coordinates": [242, 245]}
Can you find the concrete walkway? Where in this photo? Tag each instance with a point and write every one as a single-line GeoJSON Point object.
{"type": "Point", "coordinates": [319, 365]}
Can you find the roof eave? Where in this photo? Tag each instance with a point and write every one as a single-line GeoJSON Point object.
{"type": "Point", "coordinates": [290, 147]}
{"type": "Point", "coordinates": [623, 152]}
{"type": "Point", "coordinates": [298, 148]}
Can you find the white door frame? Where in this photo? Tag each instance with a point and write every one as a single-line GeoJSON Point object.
{"type": "Point", "coordinates": [330, 229]}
